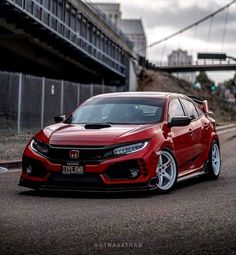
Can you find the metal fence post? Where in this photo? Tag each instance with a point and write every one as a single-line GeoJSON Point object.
{"type": "Point", "coordinates": [19, 104]}
{"type": "Point", "coordinates": [62, 96]}
{"type": "Point", "coordinates": [42, 102]}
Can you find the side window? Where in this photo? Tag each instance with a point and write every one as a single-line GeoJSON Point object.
{"type": "Point", "coordinates": [200, 113]}
{"type": "Point", "coordinates": [190, 108]}
{"type": "Point", "coordinates": [175, 109]}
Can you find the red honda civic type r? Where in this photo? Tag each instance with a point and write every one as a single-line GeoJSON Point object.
{"type": "Point", "coordinates": [124, 141]}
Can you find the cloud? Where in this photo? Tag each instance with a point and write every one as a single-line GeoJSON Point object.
{"type": "Point", "coordinates": [164, 17]}
{"type": "Point", "coordinates": [170, 16]}
{"type": "Point", "coordinates": [176, 17]}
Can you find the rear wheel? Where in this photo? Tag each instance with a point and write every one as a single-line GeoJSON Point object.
{"type": "Point", "coordinates": [214, 159]}
{"type": "Point", "coordinates": [166, 172]}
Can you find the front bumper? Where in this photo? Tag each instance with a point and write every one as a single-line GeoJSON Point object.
{"type": "Point", "coordinates": [97, 177]}
{"type": "Point", "coordinates": [102, 189]}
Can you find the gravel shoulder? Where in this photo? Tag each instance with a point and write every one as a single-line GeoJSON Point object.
{"type": "Point", "coordinates": [12, 147]}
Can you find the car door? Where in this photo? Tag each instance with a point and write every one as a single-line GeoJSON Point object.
{"type": "Point", "coordinates": [181, 137]}
{"type": "Point", "coordinates": [196, 132]}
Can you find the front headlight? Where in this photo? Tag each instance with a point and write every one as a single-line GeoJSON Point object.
{"type": "Point", "coordinates": [39, 147]}
{"type": "Point", "coordinates": [130, 148]}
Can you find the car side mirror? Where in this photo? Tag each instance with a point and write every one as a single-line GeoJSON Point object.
{"type": "Point", "coordinates": [59, 119]}
{"type": "Point", "coordinates": [192, 117]}
{"type": "Point", "coordinates": [179, 121]}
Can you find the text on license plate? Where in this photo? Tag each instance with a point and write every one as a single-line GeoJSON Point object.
{"type": "Point", "coordinates": [72, 169]}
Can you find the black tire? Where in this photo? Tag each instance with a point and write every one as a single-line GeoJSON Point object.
{"type": "Point", "coordinates": [214, 169]}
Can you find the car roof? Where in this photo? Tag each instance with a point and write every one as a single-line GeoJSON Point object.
{"type": "Point", "coordinates": [141, 94]}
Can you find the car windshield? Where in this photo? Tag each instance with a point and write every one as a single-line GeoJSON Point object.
{"type": "Point", "coordinates": [119, 110]}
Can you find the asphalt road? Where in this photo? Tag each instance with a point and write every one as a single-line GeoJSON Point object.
{"type": "Point", "coordinates": [198, 217]}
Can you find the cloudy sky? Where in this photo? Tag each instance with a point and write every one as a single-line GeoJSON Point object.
{"type": "Point", "coordinates": [163, 17]}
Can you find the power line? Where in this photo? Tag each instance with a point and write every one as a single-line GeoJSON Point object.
{"type": "Point", "coordinates": [209, 32]}
{"type": "Point", "coordinates": [194, 39]}
{"type": "Point", "coordinates": [189, 26]}
{"type": "Point", "coordinates": [225, 28]}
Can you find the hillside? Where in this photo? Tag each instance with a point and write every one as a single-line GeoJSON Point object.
{"type": "Point", "coordinates": [158, 81]}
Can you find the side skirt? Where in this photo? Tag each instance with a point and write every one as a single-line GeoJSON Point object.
{"type": "Point", "coordinates": [193, 173]}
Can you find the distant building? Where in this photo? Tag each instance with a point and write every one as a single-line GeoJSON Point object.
{"type": "Point", "coordinates": [112, 11]}
{"type": "Point", "coordinates": [181, 57]}
{"type": "Point", "coordinates": [132, 28]}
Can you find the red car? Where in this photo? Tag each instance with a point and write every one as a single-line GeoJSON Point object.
{"type": "Point", "coordinates": [124, 141]}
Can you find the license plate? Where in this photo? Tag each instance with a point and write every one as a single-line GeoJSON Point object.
{"type": "Point", "coordinates": [72, 168]}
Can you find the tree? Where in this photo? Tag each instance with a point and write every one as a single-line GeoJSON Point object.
{"type": "Point", "coordinates": [231, 82]}
{"type": "Point", "coordinates": [206, 82]}
{"type": "Point", "coordinates": [203, 79]}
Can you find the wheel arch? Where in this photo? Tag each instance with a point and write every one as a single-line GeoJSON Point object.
{"type": "Point", "coordinates": [170, 148]}
{"type": "Point", "coordinates": [214, 137]}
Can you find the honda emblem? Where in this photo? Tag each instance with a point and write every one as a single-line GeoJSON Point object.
{"type": "Point", "coordinates": [74, 154]}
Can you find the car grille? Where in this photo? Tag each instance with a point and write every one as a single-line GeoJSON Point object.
{"type": "Point", "coordinates": [84, 180]}
{"type": "Point", "coordinates": [86, 154]}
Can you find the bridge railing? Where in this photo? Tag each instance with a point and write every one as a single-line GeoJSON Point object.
{"type": "Point", "coordinates": [195, 63]}
{"type": "Point", "coordinates": [112, 58]}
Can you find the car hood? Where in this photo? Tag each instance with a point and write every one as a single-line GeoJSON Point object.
{"type": "Point", "coordinates": [68, 134]}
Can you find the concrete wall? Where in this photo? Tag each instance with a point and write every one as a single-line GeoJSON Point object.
{"type": "Point", "coordinates": [133, 80]}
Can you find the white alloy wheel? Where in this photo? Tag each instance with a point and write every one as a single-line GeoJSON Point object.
{"type": "Point", "coordinates": [215, 159]}
{"type": "Point", "coordinates": [166, 171]}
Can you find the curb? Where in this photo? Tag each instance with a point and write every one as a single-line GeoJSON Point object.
{"type": "Point", "coordinates": [220, 128]}
{"type": "Point", "coordinates": [17, 163]}
{"type": "Point", "coordinates": [11, 164]}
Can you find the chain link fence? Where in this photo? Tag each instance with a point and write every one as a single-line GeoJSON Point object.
{"type": "Point", "coordinates": [28, 103]}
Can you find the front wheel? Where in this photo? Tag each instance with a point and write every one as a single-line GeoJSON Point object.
{"type": "Point", "coordinates": [214, 159]}
{"type": "Point", "coordinates": [166, 172]}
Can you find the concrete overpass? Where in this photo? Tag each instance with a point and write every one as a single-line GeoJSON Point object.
{"type": "Point", "coordinates": [196, 66]}
{"type": "Point", "coordinates": [65, 39]}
